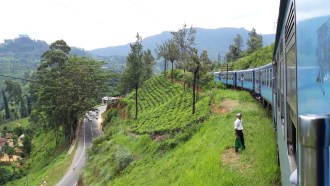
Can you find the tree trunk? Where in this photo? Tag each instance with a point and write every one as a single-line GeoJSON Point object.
{"type": "Point", "coordinates": [172, 71]}
{"type": "Point", "coordinates": [136, 101]}
{"type": "Point", "coordinates": [29, 105]}
{"type": "Point", "coordinates": [194, 91]}
{"type": "Point", "coordinates": [197, 86]}
{"type": "Point", "coordinates": [184, 83]}
{"type": "Point", "coordinates": [5, 101]}
{"type": "Point", "coordinates": [165, 66]}
{"type": "Point", "coordinates": [56, 135]}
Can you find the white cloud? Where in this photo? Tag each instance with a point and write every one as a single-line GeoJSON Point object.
{"type": "Point", "coordinates": [100, 23]}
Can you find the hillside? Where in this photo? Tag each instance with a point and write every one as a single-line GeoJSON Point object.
{"type": "Point", "coordinates": [167, 145]}
{"type": "Point", "coordinates": [21, 55]}
{"type": "Point", "coordinates": [258, 58]}
{"type": "Point", "coordinates": [215, 41]}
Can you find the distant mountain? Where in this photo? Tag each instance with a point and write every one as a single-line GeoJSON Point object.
{"type": "Point", "coordinates": [215, 41]}
{"type": "Point", "coordinates": [20, 56]}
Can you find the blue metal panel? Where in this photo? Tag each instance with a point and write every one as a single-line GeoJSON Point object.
{"type": "Point", "coordinates": [245, 79]}
{"type": "Point", "coordinates": [217, 76]}
{"type": "Point", "coordinates": [267, 93]}
{"type": "Point", "coordinates": [261, 75]}
{"type": "Point", "coordinates": [248, 85]}
{"type": "Point", "coordinates": [231, 82]}
{"type": "Point", "coordinates": [313, 57]}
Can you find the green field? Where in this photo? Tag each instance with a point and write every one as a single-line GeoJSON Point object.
{"type": "Point", "coordinates": [47, 161]}
{"type": "Point", "coordinates": [167, 145]}
{"type": "Point", "coordinates": [16, 123]}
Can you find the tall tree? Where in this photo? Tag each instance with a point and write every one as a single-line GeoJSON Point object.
{"type": "Point", "coordinates": [64, 89]}
{"type": "Point", "coordinates": [162, 52]}
{"type": "Point", "coordinates": [235, 49]}
{"type": "Point", "coordinates": [149, 62]}
{"type": "Point", "coordinates": [14, 90]}
{"type": "Point", "coordinates": [198, 65]}
{"type": "Point", "coordinates": [206, 67]}
{"type": "Point", "coordinates": [23, 108]}
{"type": "Point", "coordinates": [28, 104]}
{"type": "Point", "coordinates": [184, 39]}
{"type": "Point", "coordinates": [170, 52]}
{"type": "Point", "coordinates": [254, 42]}
{"type": "Point", "coordinates": [27, 146]}
{"type": "Point", "coordinates": [5, 102]}
{"type": "Point", "coordinates": [238, 41]}
{"type": "Point", "coordinates": [193, 66]}
{"type": "Point", "coordinates": [134, 73]}
{"type": "Point", "coordinates": [219, 60]}
{"type": "Point", "coordinates": [173, 55]}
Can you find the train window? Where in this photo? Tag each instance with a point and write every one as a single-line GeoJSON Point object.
{"type": "Point", "coordinates": [271, 78]}
{"type": "Point", "coordinates": [264, 77]}
{"type": "Point", "coordinates": [291, 82]}
{"type": "Point", "coordinates": [267, 78]}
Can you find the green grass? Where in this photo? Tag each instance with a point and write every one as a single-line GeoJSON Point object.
{"type": "Point", "coordinates": [24, 122]}
{"type": "Point", "coordinates": [199, 154]}
{"type": "Point", "coordinates": [48, 162]}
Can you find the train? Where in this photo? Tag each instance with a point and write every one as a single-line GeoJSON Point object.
{"type": "Point", "coordinates": [295, 85]}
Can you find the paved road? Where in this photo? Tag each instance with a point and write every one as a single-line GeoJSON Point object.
{"type": "Point", "coordinates": [88, 132]}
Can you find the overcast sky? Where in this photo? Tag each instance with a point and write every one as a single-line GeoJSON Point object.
{"type": "Point", "coordinates": [91, 24]}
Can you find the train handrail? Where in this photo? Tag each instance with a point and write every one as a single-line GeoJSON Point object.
{"type": "Point", "coordinates": [313, 149]}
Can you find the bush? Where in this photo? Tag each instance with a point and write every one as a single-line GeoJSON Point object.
{"type": "Point", "coordinates": [123, 158]}
{"type": "Point", "coordinates": [110, 115]}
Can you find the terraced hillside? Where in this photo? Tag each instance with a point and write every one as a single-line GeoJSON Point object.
{"type": "Point", "coordinates": [167, 145]}
{"type": "Point", "coordinates": [165, 120]}
{"type": "Point", "coordinates": [164, 107]}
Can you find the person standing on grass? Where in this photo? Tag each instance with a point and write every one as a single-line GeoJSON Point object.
{"type": "Point", "coordinates": [238, 127]}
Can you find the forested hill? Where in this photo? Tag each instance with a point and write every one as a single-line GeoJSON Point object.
{"type": "Point", "coordinates": [21, 55]}
{"type": "Point", "coordinates": [215, 41]}
{"type": "Point", "coordinates": [23, 46]}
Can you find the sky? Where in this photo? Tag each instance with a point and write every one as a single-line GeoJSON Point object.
{"type": "Point", "coordinates": [92, 24]}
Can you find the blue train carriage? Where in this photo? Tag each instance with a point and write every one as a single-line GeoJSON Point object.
{"type": "Point", "coordinates": [228, 78]}
{"type": "Point", "coordinates": [217, 76]}
{"type": "Point", "coordinates": [231, 78]}
{"type": "Point", "coordinates": [245, 79]}
{"type": "Point", "coordinates": [302, 89]}
{"type": "Point", "coordinates": [264, 83]}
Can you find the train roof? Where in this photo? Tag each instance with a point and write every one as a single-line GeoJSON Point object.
{"type": "Point", "coordinates": [264, 66]}
{"type": "Point", "coordinates": [246, 70]}
{"type": "Point", "coordinates": [280, 19]}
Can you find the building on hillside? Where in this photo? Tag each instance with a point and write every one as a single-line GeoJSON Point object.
{"type": "Point", "coordinates": [20, 140]}
{"type": "Point", "coordinates": [109, 99]}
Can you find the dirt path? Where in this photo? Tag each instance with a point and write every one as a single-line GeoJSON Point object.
{"type": "Point", "coordinates": [225, 106]}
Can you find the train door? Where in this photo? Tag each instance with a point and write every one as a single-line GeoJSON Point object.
{"type": "Point", "coordinates": [280, 89]}
{"type": "Point", "coordinates": [291, 83]}
{"type": "Point", "coordinates": [273, 87]}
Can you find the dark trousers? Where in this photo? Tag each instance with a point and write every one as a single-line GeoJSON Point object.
{"type": "Point", "coordinates": [241, 136]}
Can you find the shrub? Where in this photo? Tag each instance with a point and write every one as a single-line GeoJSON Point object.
{"type": "Point", "coordinates": [123, 158]}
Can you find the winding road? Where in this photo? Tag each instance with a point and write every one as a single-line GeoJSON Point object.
{"type": "Point", "coordinates": [88, 132]}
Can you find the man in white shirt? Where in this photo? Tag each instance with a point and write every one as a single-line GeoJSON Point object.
{"type": "Point", "coordinates": [238, 127]}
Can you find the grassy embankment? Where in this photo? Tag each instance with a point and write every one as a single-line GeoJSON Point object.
{"type": "Point", "coordinates": [167, 145]}
{"type": "Point", "coordinates": [47, 161]}
{"type": "Point", "coordinates": [13, 124]}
